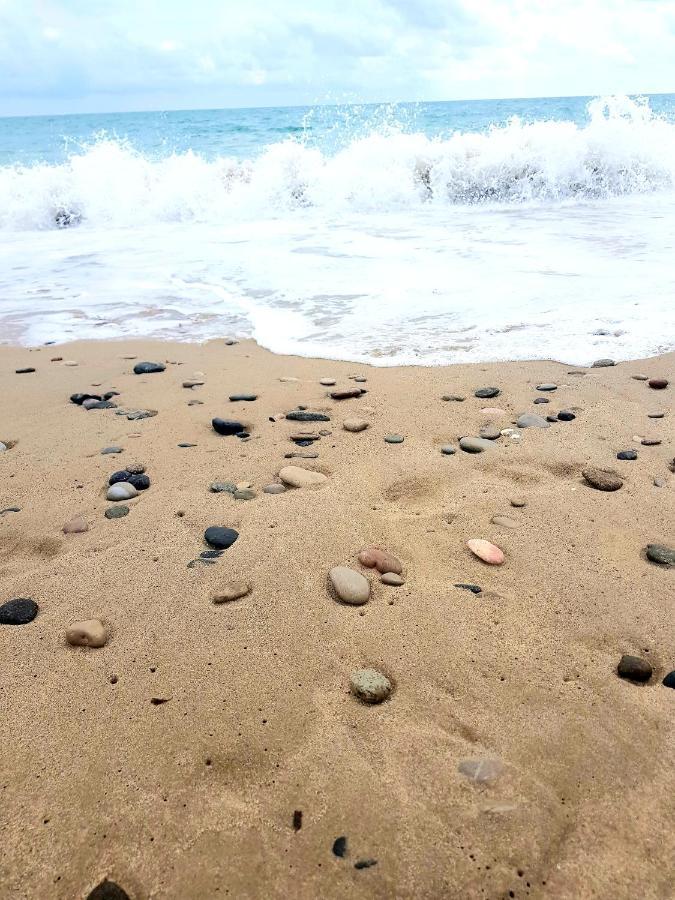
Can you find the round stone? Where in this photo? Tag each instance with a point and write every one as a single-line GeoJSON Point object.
{"type": "Point", "coordinates": [369, 685]}
{"type": "Point", "coordinates": [475, 444]}
{"type": "Point", "coordinates": [602, 479]}
{"type": "Point", "coordinates": [108, 890]}
{"type": "Point", "coordinates": [140, 482]}
{"type": "Point", "coordinates": [377, 558]}
{"type": "Point", "coordinates": [135, 468]}
{"type": "Point", "coordinates": [121, 491]}
{"type": "Point", "coordinates": [122, 475]}
{"type": "Point", "coordinates": [234, 590]}
{"type": "Point", "coordinates": [530, 420]}
{"type": "Point", "coordinates": [658, 384]}
{"type": "Point", "coordinates": [148, 368]}
{"type": "Point", "coordinates": [603, 363]}
{"type": "Point", "coordinates": [392, 579]}
{"type": "Point", "coordinates": [448, 450]}
{"type": "Point", "coordinates": [541, 400]}
{"type": "Point", "coordinates": [90, 633]}
{"type": "Point", "coordinates": [20, 611]}
{"type": "Point", "coordinates": [640, 377]}
{"type": "Point", "coordinates": [549, 386]}
{"type": "Point", "coordinates": [116, 512]}
{"type": "Point", "coordinates": [351, 587]}
{"type": "Point", "coordinates": [219, 537]}
{"type": "Point", "coordinates": [627, 454]}
{"type": "Point", "coordinates": [634, 668]}
{"type": "Point", "coordinates": [227, 426]}
{"type": "Point", "coordinates": [222, 487]}
{"type": "Point", "coordinates": [360, 379]}
{"type": "Point", "coordinates": [78, 525]}
{"type": "Point", "coordinates": [297, 477]}
{"type": "Point", "coordinates": [490, 433]}
{"type": "Point", "coordinates": [661, 554]}
{"type": "Point", "coordinates": [489, 553]}
{"type": "Point", "coordinates": [487, 393]}
{"type": "Point", "coordinates": [518, 501]}
{"type": "Point", "coordinates": [355, 425]}
{"type": "Point", "coordinates": [274, 489]}
{"type": "Point", "coordinates": [394, 439]}
{"type": "Point", "coordinates": [566, 416]}
{"type": "Point", "coordinates": [327, 382]}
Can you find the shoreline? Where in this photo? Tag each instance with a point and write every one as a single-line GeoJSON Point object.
{"type": "Point", "coordinates": [257, 722]}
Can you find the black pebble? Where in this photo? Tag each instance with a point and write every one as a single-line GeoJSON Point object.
{"type": "Point", "coordinates": [340, 846]}
{"type": "Point", "coordinates": [80, 398]}
{"type": "Point", "coordinates": [551, 418]}
{"type": "Point", "coordinates": [104, 404]}
{"type": "Point", "coordinates": [24, 371]}
{"type": "Point", "coordinates": [147, 368]}
{"type": "Point", "coordinates": [246, 398]}
{"type": "Point", "coordinates": [470, 587]}
{"type": "Point", "coordinates": [486, 393]}
{"type": "Point", "coordinates": [122, 475]}
{"type": "Point", "coordinates": [635, 668]}
{"type": "Point", "coordinates": [20, 611]}
{"type": "Point", "coordinates": [669, 680]}
{"type": "Point", "coordinates": [186, 444]}
{"type": "Point", "coordinates": [365, 863]}
{"type": "Point", "coordinates": [306, 442]}
{"type": "Point", "coordinates": [110, 394]}
{"type": "Point", "coordinates": [227, 426]}
{"type": "Point", "coordinates": [541, 400]}
{"type": "Point", "coordinates": [108, 890]}
{"type": "Point", "coordinates": [566, 416]}
{"type": "Point", "coordinates": [140, 482]}
{"type": "Point", "coordinates": [243, 435]}
{"type": "Point", "coordinates": [627, 454]}
{"type": "Point", "coordinates": [219, 537]}
{"type": "Point", "coordinates": [299, 415]}
{"type": "Point", "coordinates": [297, 820]}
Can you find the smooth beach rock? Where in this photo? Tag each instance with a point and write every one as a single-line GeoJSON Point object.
{"type": "Point", "coordinates": [650, 442]}
{"type": "Point", "coordinates": [634, 668]}
{"type": "Point", "coordinates": [377, 558]}
{"type": "Point", "coordinates": [640, 377]}
{"type": "Point", "coordinates": [602, 479]}
{"type": "Point", "coordinates": [99, 404]}
{"type": "Point", "coordinates": [490, 433]}
{"type": "Point", "coordinates": [603, 363]}
{"type": "Point", "coordinates": [234, 590]}
{"type": "Point", "coordinates": [659, 481]}
{"type": "Point", "coordinates": [78, 525]}
{"type": "Point", "coordinates": [518, 501]}
{"type": "Point", "coordinates": [274, 489]}
{"type": "Point", "coordinates": [548, 386]}
{"type": "Point", "coordinates": [346, 393]}
{"type": "Point", "coordinates": [504, 522]}
{"type": "Point", "coordinates": [530, 420]}
{"type": "Point", "coordinates": [669, 680]}
{"type": "Point", "coordinates": [140, 482]}
{"type": "Point", "coordinates": [193, 383]}
{"type": "Point", "coordinates": [369, 685]}
{"type": "Point", "coordinates": [244, 494]}
{"type": "Point", "coordinates": [108, 890]}
{"type": "Point", "coordinates": [539, 400]}
{"type": "Point", "coordinates": [453, 398]}
{"type": "Point", "coordinates": [19, 611]}
{"type": "Point", "coordinates": [392, 579]}
{"type": "Point", "coordinates": [227, 427]}
{"type": "Point", "coordinates": [627, 454]}
{"type": "Point", "coordinates": [135, 468]}
{"type": "Point", "coordinates": [90, 633]}
{"type": "Point", "coordinates": [656, 415]}
{"type": "Point", "coordinates": [487, 393]}
{"type": "Point", "coordinates": [489, 553]}
{"type": "Point", "coordinates": [148, 368]}
{"type": "Point", "coordinates": [121, 491]}
{"type": "Point", "coordinates": [26, 370]}
{"type": "Point", "coordinates": [301, 415]}
{"type": "Point", "coordinates": [355, 425]}
{"type": "Point", "coordinates": [350, 586]}
{"type": "Point", "coordinates": [565, 415]}
{"type": "Point", "coordinates": [393, 439]}
{"type": "Point", "coordinates": [661, 554]}
{"type": "Point", "coordinates": [288, 379]}
{"type": "Point", "coordinates": [481, 771]}
{"type": "Point", "coordinates": [475, 444]}
{"type": "Point", "coordinates": [108, 450]}
{"type": "Point", "coordinates": [327, 382]}
{"type": "Point", "coordinates": [243, 398]}
{"type": "Point", "coordinates": [658, 384]}
{"type": "Point", "coordinates": [121, 475]}
{"type": "Point", "coordinates": [3, 447]}
{"type": "Point", "coordinates": [116, 512]}
{"type": "Point", "coordinates": [219, 537]}
{"type": "Point", "coordinates": [448, 450]}
{"type": "Point", "coordinates": [302, 478]}
{"type": "Point", "coordinates": [222, 487]}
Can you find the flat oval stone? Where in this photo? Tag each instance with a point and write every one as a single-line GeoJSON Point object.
{"type": "Point", "coordinates": [19, 611]}
{"type": "Point", "coordinates": [297, 477]}
{"type": "Point", "coordinates": [346, 394]}
{"type": "Point", "coordinates": [448, 450]}
{"type": "Point", "coordinates": [274, 489]}
{"type": "Point", "coordinates": [627, 454]}
{"type": "Point", "coordinates": [108, 890]}
{"type": "Point", "coordinates": [640, 377]}
{"type": "Point", "coordinates": [121, 491]}
{"type": "Point", "coordinates": [235, 590]}
{"type": "Point", "coordinates": [148, 368]}
{"type": "Point", "coordinates": [222, 487]}
{"type": "Point", "coordinates": [116, 512]}
{"type": "Point", "coordinates": [475, 444]}
{"type": "Point", "coordinates": [505, 522]}
{"type": "Point", "coordinates": [490, 433]}
{"type": "Point", "coordinates": [565, 415]}
{"type": "Point", "coordinates": [219, 537]}
{"type": "Point", "coordinates": [227, 427]}
{"type": "Point", "coordinates": [393, 439]}
{"type": "Point", "coordinates": [78, 525]}
{"type": "Point", "coordinates": [481, 771]}
{"type": "Point", "coordinates": [112, 450]}
{"type": "Point", "coordinates": [530, 420]}
{"type": "Point", "coordinates": [661, 554]}
{"type": "Point", "coordinates": [392, 579]}
{"type": "Point", "coordinates": [634, 668]}
{"type": "Point", "coordinates": [487, 393]}
{"type": "Point", "coordinates": [243, 398]}
{"type": "Point", "coordinates": [369, 685]}
{"type": "Point", "coordinates": [355, 425]}
{"type": "Point", "coordinates": [658, 384]}
{"type": "Point", "coordinates": [122, 475]}
{"type": "Point", "coordinates": [518, 501]}
{"type": "Point", "coordinates": [650, 442]}
{"type": "Point", "coordinates": [655, 415]}
{"type": "Point", "coordinates": [301, 415]}
{"type": "Point", "coordinates": [602, 479]}
{"type": "Point", "coordinates": [327, 382]}
{"type": "Point", "coordinates": [549, 386]}
{"type": "Point", "coordinates": [244, 494]}
{"type": "Point", "coordinates": [377, 558]}
{"type": "Point", "coordinates": [489, 553]}
{"type": "Point", "coordinates": [26, 370]}
{"type": "Point", "coordinates": [603, 363]}
{"type": "Point", "coordinates": [90, 633]}
{"type": "Point", "coordinates": [669, 680]}
{"type": "Point", "coordinates": [350, 586]}
{"type": "Point", "coordinates": [541, 400]}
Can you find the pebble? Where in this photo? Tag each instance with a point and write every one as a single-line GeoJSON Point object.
{"type": "Point", "coordinates": [222, 487]}
{"type": "Point", "coordinates": [195, 402]}
{"type": "Point", "coordinates": [70, 362]}
{"type": "Point", "coordinates": [288, 378]}
{"type": "Point", "coordinates": [565, 415]}
{"type": "Point", "coordinates": [148, 368]}
{"type": "Point", "coordinates": [108, 890]}
{"type": "Point", "coordinates": [19, 611]}
{"type": "Point", "coordinates": [25, 371]}
{"type": "Point", "coordinates": [219, 537]}
{"type": "Point", "coordinates": [359, 378]}
{"type": "Point", "coordinates": [137, 414]}
{"type": "Point", "coordinates": [377, 558]}
{"type": "Point", "coordinates": [448, 450]}
{"type": "Point", "coordinates": [78, 525]}
{"type": "Point", "coordinates": [392, 579]}
{"type": "Point", "coordinates": [350, 586]}
{"type": "Point", "coordinates": [547, 387]}
{"type": "Point", "coordinates": [135, 468]}
{"type": "Point", "coordinates": [244, 494]}
{"type": "Point", "coordinates": [192, 383]}
{"type": "Point", "coordinates": [541, 400]}
{"type": "Point", "coordinates": [227, 426]}
{"type": "Point", "coordinates": [518, 501]}
{"type": "Point", "coordinates": [603, 363]}
{"type": "Point", "coordinates": [369, 685]}
{"type": "Point", "coordinates": [661, 554]}
{"type": "Point", "coordinates": [90, 633]}
{"type": "Point", "coordinates": [455, 398]}
{"type": "Point", "coordinates": [481, 771]}
{"type": "Point", "coordinates": [299, 415]}
{"type": "Point", "coordinates": [669, 680]}
{"type": "Point", "coordinates": [274, 489]}
{"type": "Point", "coordinates": [355, 425]}
{"type": "Point", "coordinates": [121, 475]}
{"type": "Point", "coordinates": [297, 477]}
{"type": "Point", "coordinates": [650, 442]}
{"type": "Point", "coordinates": [393, 439]}
{"type": "Point", "coordinates": [111, 450]}
{"type": "Point", "coordinates": [185, 444]}
{"type": "Point", "coordinates": [3, 447]}
{"type": "Point", "coordinates": [530, 420]}
{"type": "Point", "coordinates": [489, 553]}
{"type": "Point", "coordinates": [475, 444]}
{"type": "Point", "coordinates": [346, 393]}
{"type": "Point", "coordinates": [627, 454]}
{"type": "Point", "coordinates": [658, 384]}
{"type": "Point", "coordinates": [655, 415]}
{"type": "Point", "coordinates": [79, 399]}
{"type": "Point", "coordinates": [121, 491]}
{"type": "Point", "coordinates": [301, 455]}
{"type": "Point", "coordinates": [659, 482]}
{"type": "Point", "coordinates": [234, 590]}
{"type": "Point", "coordinates": [634, 668]}
{"type": "Point", "coordinates": [602, 479]}
{"type": "Point", "coordinates": [640, 377]}
{"type": "Point", "coordinates": [490, 433]}
{"type": "Point", "coordinates": [505, 522]}
{"type": "Point", "coordinates": [140, 482]}
{"type": "Point", "coordinates": [10, 509]}
{"type": "Point", "coordinates": [327, 382]}
{"type": "Point", "coordinates": [243, 398]}
{"type": "Point", "coordinates": [116, 512]}
{"type": "Point", "coordinates": [486, 393]}
{"type": "Point", "coordinates": [474, 588]}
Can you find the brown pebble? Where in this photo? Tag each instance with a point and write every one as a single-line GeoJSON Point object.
{"type": "Point", "coordinates": [232, 591]}
{"type": "Point", "coordinates": [658, 383]}
{"type": "Point", "coordinates": [518, 501]}
{"type": "Point", "coordinates": [78, 525]}
{"type": "Point", "coordinates": [90, 633]}
{"type": "Point", "coordinates": [392, 579]}
{"type": "Point", "coordinates": [377, 558]}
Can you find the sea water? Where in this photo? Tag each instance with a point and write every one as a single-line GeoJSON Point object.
{"type": "Point", "coordinates": [417, 233]}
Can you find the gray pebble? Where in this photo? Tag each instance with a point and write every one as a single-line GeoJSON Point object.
{"type": "Point", "coordinates": [548, 386]}
{"type": "Point", "coordinates": [121, 491]}
{"type": "Point", "coordinates": [116, 512]}
{"type": "Point", "coordinates": [530, 420]}
{"type": "Point", "coordinates": [112, 450]}
{"type": "Point", "coordinates": [448, 450]}
{"type": "Point", "coordinates": [392, 579]}
{"type": "Point", "coordinates": [603, 363]}
{"type": "Point", "coordinates": [394, 439]}
{"type": "Point", "coordinates": [245, 494]}
{"type": "Point", "coordinates": [490, 433]}
{"type": "Point", "coordinates": [222, 487]}
{"type": "Point", "coordinates": [274, 489]}
{"type": "Point", "coordinates": [475, 444]}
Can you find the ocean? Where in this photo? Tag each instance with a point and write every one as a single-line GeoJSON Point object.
{"type": "Point", "coordinates": [401, 234]}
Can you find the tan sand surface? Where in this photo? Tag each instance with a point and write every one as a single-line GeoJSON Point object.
{"type": "Point", "coordinates": [195, 797]}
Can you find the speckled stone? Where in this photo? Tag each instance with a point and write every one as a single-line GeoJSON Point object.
{"type": "Point", "coordinates": [393, 439]}
{"type": "Point", "coordinates": [350, 586]}
{"type": "Point", "coordinates": [116, 512]}
{"type": "Point", "coordinates": [370, 686]}
{"type": "Point", "coordinates": [19, 611]}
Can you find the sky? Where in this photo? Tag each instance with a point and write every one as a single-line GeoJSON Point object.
{"type": "Point", "coordinates": [65, 56]}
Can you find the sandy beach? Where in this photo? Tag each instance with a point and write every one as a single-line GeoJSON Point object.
{"type": "Point", "coordinates": [216, 749]}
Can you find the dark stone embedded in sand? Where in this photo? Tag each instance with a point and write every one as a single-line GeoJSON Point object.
{"type": "Point", "coordinates": [634, 668]}
{"type": "Point", "coordinates": [227, 426]}
{"type": "Point", "coordinates": [79, 399]}
{"type": "Point", "coordinates": [661, 554]}
{"type": "Point", "coordinates": [658, 384]}
{"type": "Point", "coordinates": [627, 454]}
{"type": "Point", "coordinates": [107, 450]}
{"type": "Point", "coordinates": [108, 890]}
{"type": "Point", "coordinates": [10, 509]}
{"type": "Point", "coordinates": [551, 418]}
{"type": "Point", "coordinates": [122, 475]}
{"type": "Point", "coordinates": [365, 863]}
{"type": "Point", "coordinates": [140, 482]}
{"type": "Point", "coordinates": [25, 371]}
{"type": "Point", "coordinates": [486, 393]}
{"type": "Point", "coordinates": [340, 846]}
{"type": "Point", "coordinates": [148, 368]}
{"type": "Point", "coordinates": [602, 479]}
{"type": "Point", "coordinates": [219, 537]}
{"type": "Point", "coordinates": [346, 393]}
{"type": "Point", "coordinates": [669, 680]}
{"type": "Point", "coordinates": [116, 512]}
{"type": "Point", "coordinates": [243, 398]}
{"type": "Point", "coordinates": [102, 404]}
{"type": "Point", "coordinates": [541, 400]}
{"type": "Point", "coordinates": [603, 363]}
{"type": "Point", "coordinates": [110, 394]}
{"type": "Point", "coordinates": [469, 587]}
{"type": "Point", "coordinates": [298, 415]}
{"type": "Point", "coordinates": [565, 415]}
{"type": "Point", "coordinates": [20, 611]}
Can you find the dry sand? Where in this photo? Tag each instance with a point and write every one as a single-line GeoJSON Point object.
{"type": "Point", "coordinates": [195, 798]}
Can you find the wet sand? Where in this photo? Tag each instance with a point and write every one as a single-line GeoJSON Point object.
{"type": "Point", "coordinates": [196, 796]}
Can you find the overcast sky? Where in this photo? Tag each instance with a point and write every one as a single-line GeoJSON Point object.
{"type": "Point", "coordinates": [59, 56]}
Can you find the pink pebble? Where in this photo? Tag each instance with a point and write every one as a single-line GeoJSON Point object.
{"type": "Point", "coordinates": [486, 551]}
